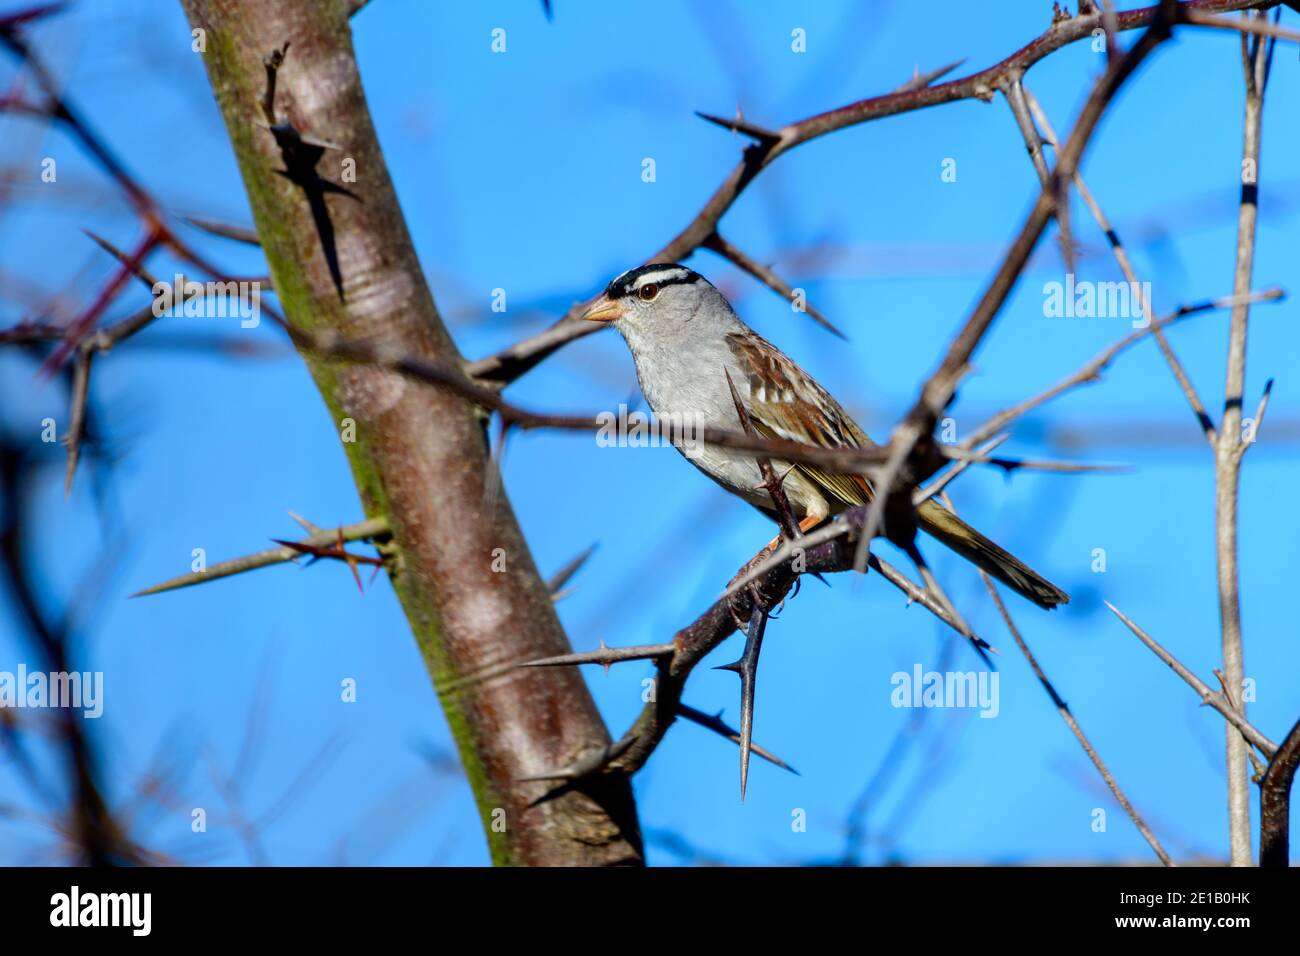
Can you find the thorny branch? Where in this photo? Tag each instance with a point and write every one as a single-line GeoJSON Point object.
{"type": "Point", "coordinates": [518, 359]}
{"type": "Point", "coordinates": [321, 544]}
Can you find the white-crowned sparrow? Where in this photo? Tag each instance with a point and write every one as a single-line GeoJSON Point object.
{"type": "Point", "coordinates": [683, 334]}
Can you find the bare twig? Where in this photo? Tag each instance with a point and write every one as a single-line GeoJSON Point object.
{"type": "Point", "coordinates": [1252, 27]}
{"type": "Point", "coordinates": [1067, 715]}
{"type": "Point", "coordinates": [1206, 693]}
{"type": "Point", "coordinates": [226, 230]}
{"type": "Point", "coordinates": [1126, 267]}
{"type": "Point", "coordinates": [951, 475]}
{"type": "Point", "coordinates": [1014, 92]}
{"type": "Point", "coordinates": [767, 276]}
{"type": "Point", "coordinates": [1229, 446]}
{"type": "Point", "coordinates": [1092, 370]}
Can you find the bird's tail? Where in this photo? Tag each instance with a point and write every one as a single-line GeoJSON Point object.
{"type": "Point", "coordinates": [948, 529]}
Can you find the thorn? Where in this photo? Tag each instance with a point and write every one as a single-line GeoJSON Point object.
{"type": "Point", "coordinates": [759, 134]}
{"type": "Point", "coordinates": [304, 523]}
{"type": "Point", "coordinates": [78, 399]}
{"type": "Point", "coordinates": [606, 655]}
{"type": "Point", "coordinates": [368, 530]}
{"type": "Point", "coordinates": [137, 269]}
{"type": "Point", "coordinates": [716, 724]}
{"type": "Point", "coordinates": [562, 576]}
{"type": "Point", "coordinates": [747, 668]}
{"type": "Point", "coordinates": [225, 230]}
{"type": "Point", "coordinates": [585, 765]}
{"type": "Point", "coordinates": [336, 550]}
{"type": "Point", "coordinates": [920, 81]}
{"type": "Point", "coordinates": [351, 560]}
{"type": "Point", "coordinates": [766, 275]}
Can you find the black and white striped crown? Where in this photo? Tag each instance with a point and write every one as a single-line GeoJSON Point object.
{"type": "Point", "coordinates": [659, 273]}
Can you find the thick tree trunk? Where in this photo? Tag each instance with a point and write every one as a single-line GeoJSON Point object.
{"type": "Point", "coordinates": [461, 568]}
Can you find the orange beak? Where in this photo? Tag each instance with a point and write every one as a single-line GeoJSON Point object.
{"type": "Point", "coordinates": [604, 309]}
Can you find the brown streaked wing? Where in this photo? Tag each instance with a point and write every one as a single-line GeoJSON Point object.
{"type": "Point", "coordinates": [785, 402]}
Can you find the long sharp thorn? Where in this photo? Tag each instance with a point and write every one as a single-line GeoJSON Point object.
{"type": "Point", "coordinates": [921, 80]}
{"type": "Point", "coordinates": [562, 576]}
{"type": "Point", "coordinates": [586, 765]}
{"type": "Point", "coordinates": [715, 723]}
{"type": "Point", "coordinates": [305, 524]}
{"type": "Point", "coordinates": [606, 655]}
{"type": "Point", "coordinates": [752, 130]}
{"type": "Point", "coordinates": [747, 668]}
{"type": "Point", "coordinates": [225, 230]}
{"type": "Point", "coordinates": [79, 399]}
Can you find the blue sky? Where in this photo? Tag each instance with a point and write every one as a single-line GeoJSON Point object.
{"type": "Point", "coordinates": [522, 171]}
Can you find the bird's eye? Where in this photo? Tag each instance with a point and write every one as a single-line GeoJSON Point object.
{"type": "Point", "coordinates": [648, 291]}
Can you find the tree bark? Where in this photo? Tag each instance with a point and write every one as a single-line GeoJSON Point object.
{"type": "Point", "coordinates": [460, 566]}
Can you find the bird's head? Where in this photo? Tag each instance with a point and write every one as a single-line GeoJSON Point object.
{"type": "Point", "coordinates": [658, 300]}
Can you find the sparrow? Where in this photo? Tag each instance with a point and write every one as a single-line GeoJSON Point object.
{"type": "Point", "coordinates": [686, 341]}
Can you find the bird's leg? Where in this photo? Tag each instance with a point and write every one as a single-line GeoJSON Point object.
{"type": "Point", "coordinates": [771, 547]}
{"type": "Point", "coordinates": [758, 559]}
{"type": "Point", "coordinates": [807, 523]}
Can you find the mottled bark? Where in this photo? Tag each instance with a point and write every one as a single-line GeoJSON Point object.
{"type": "Point", "coordinates": [460, 566]}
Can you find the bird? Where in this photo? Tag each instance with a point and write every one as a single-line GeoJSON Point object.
{"type": "Point", "coordinates": [689, 345]}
